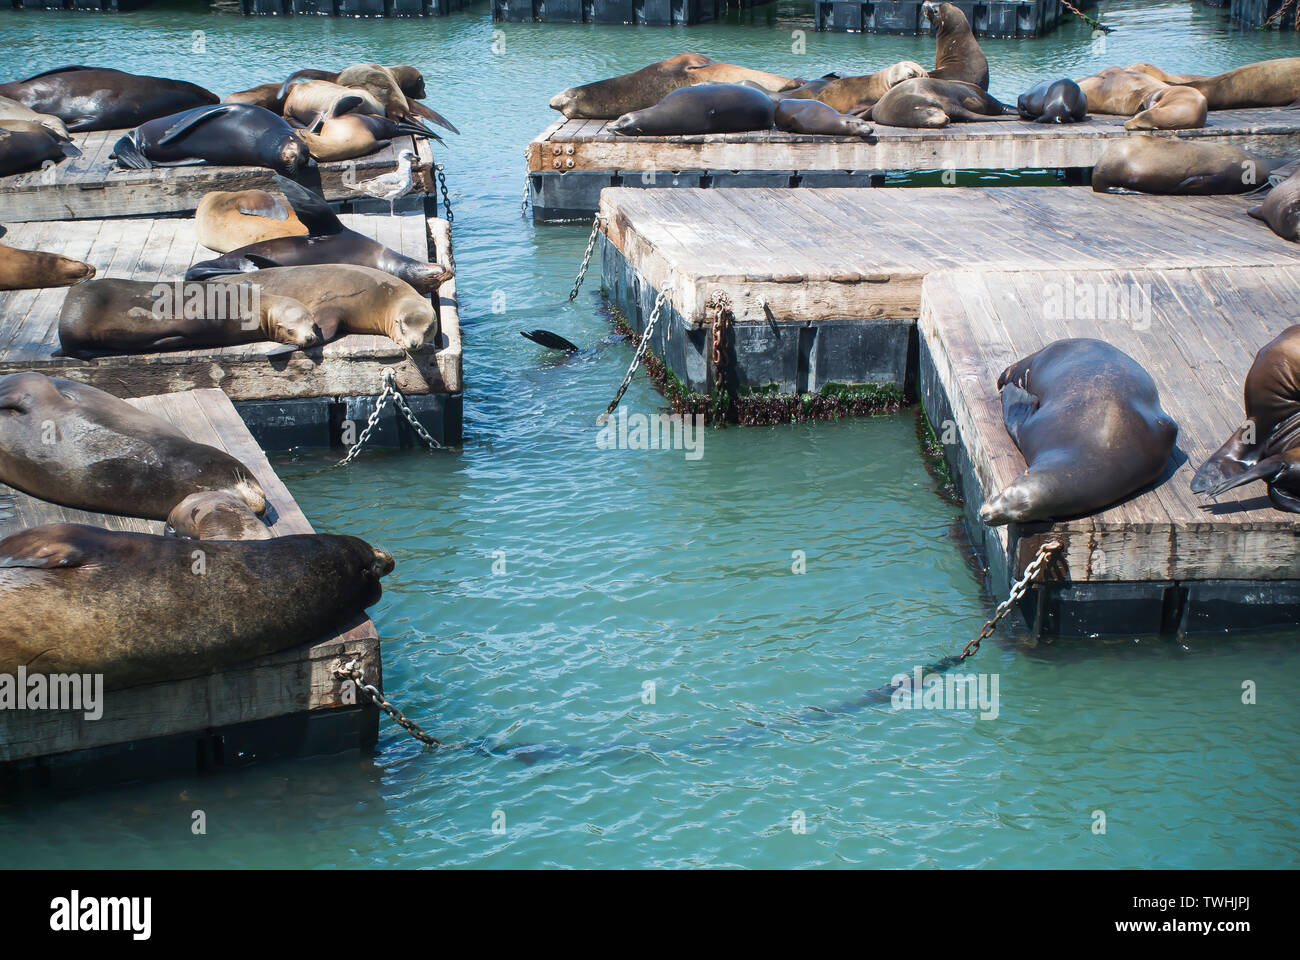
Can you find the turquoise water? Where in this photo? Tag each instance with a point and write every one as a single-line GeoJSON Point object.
{"type": "Point", "coordinates": [627, 567]}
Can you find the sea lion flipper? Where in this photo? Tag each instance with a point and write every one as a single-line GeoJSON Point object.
{"type": "Point", "coordinates": [36, 549]}
{"type": "Point", "coordinates": [1018, 405]}
{"type": "Point", "coordinates": [1268, 470]}
{"type": "Point", "coordinates": [50, 73]}
{"type": "Point", "coordinates": [309, 207]}
{"type": "Point", "coordinates": [271, 207]}
{"type": "Point", "coordinates": [128, 155]}
{"type": "Point", "coordinates": [345, 105]}
{"type": "Point", "coordinates": [553, 341]}
{"type": "Point", "coordinates": [1256, 212]}
{"type": "Point", "coordinates": [195, 117]}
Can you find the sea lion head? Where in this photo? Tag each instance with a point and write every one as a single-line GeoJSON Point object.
{"type": "Point", "coordinates": [370, 565]}
{"type": "Point", "coordinates": [904, 70]}
{"type": "Point", "coordinates": [409, 80]}
{"type": "Point", "coordinates": [293, 156]}
{"type": "Point", "coordinates": [1013, 505]}
{"type": "Point", "coordinates": [414, 323]}
{"type": "Point", "coordinates": [426, 277]}
{"type": "Point", "coordinates": [289, 321]}
{"type": "Point", "coordinates": [857, 127]}
{"type": "Point", "coordinates": [216, 515]}
{"type": "Point", "coordinates": [629, 124]}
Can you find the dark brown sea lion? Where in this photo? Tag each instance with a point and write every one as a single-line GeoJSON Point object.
{"type": "Point", "coordinates": [1087, 418]}
{"type": "Point", "coordinates": [75, 445]}
{"type": "Point", "coordinates": [930, 103]}
{"type": "Point", "coordinates": [13, 110]}
{"type": "Point", "coordinates": [93, 98]}
{"type": "Point", "coordinates": [704, 108]}
{"type": "Point", "coordinates": [229, 134]}
{"type": "Point", "coordinates": [26, 145]}
{"type": "Point", "coordinates": [612, 98]}
{"type": "Point", "coordinates": [813, 116]}
{"type": "Point", "coordinates": [358, 135]}
{"type": "Point", "coordinates": [957, 54]}
{"type": "Point", "coordinates": [31, 269]}
{"type": "Point", "coordinates": [108, 317]}
{"type": "Point", "coordinates": [1267, 446]}
{"type": "Point", "coordinates": [1171, 165]}
{"type": "Point", "coordinates": [1053, 101]}
{"type": "Point", "coordinates": [138, 608]}
{"type": "Point", "coordinates": [1270, 83]}
{"type": "Point", "coordinates": [855, 94]}
{"type": "Point", "coordinates": [226, 219]}
{"type": "Point", "coordinates": [1281, 208]}
{"type": "Point", "coordinates": [328, 241]}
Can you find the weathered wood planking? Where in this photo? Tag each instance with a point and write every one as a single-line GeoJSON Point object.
{"type": "Point", "coordinates": [585, 145]}
{"type": "Point", "coordinates": [812, 255]}
{"type": "Point", "coordinates": [287, 684]}
{"type": "Point", "coordinates": [90, 187]}
{"type": "Point", "coordinates": [1205, 326]}
{"type": "Point", "coordinates": [162, 250]}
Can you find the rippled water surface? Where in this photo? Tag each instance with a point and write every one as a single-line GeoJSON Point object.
{"type": "Point", "coordinates": [627, 568]}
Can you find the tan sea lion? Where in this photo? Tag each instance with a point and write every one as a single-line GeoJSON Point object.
{"type": "Point", "coordinates": [13, 110]}
{"type": "Point", "coordinates": [379, 82]}
{"type": "Point", "coordinates": [31, 269]}
{"type": "Point", "coordinates": [216, 515]}
{"type": "Point", "coordinates": [957, 54]}
{"type": "Point", "coordinates": [312, 101]}
{"type": "Point", "coordinates": [138, 608]}
{"type": "Point", "coordinates": [856, 94]}
{"type": "Point", "coordinates": [1154, 71]}
{"type": "Point", "coordinates": [1170, 108]}
{"type": "Point", "coordinates": [111, 316]}
{"type": "Point", "coordinates": [358, 135]}
{"type": "Point", "coordinates": [26, 145]}
{"type": "Point", "coordinates": [1281, 208]}
{"type": "Point", "coordinates": [1175, 166]}
{"type": "Point", "coordinates": [929, 103]}
{"type": "Point", "coordinates": [226, 219]}
{"type": "Point", "coordinates": [1270, 83]}
{"type": "Point", "coordinates": [1150, 103]}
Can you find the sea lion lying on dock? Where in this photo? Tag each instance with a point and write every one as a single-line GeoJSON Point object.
{"type": "Point", "coordinates": [703, 108]}
{"type": "Point", "coordinates": [227, 219]}
{"type": "Point", "coordinates": [931, 103]}
{"type": "Point", "coordinates": [32, 269]}
{"type": "Point", "coordinates": [1269, 83]}
{"type": "Point", "coordinates": [1267, 446]}
{"type": "Point", "coordinates": [13, 110]}
{"type": "Point", "coordinates": [26, 145]}
{"type": "Point", "coordinates": [1281, 208]}
{"type": "Point", "coordinates": [358, 135]}
{"type": "Point", "coordinates": [855, 94]}
{"type": "Point", "coordinates": [309, 102]}
{"type": "Point", "coordinates": [328, 241]}
{"type": "Point", "coordinates": [134, 608]}
{"type": "Point", "coordinates": [1173, 166]}
{"type": "Point", "coordinates": [1087, 418]}
{"type": "Point", "coordinates": [1150, 103]}
{"type": "Point", "coordinates": [1053, 101]}
{"type": "Point", "coordinates": [77, 446]}
{"type": "Point", "coordinates": [1170, 108]}
{"type": "Point", "coordinates": [815, 117]}
{"type": "Point", "coordinates": [612, 98]}
{"type": "Point", "coordinates": [381, 83]}
{"type": "Point", "coordinates": [95, 98]}
{"type": "Point", "coordinates": [110, 316]}
{"type": "Point", "coordinates": [230, 134]}
{"type": "Point", "coordinates": [957, 54]}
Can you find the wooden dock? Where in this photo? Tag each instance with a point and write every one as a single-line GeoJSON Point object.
{"type": "Point", "coordinates": [89, 187]}
{"type": "Point", "coordinates": [284, 704]}
{"type": "Point", "coordinates": [987, 18]}
{"type": "Point", "coordinates": [571, 161]}
{"type": "Point", "coordinates": [289, 398]}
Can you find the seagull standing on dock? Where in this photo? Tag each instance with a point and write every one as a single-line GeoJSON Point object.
{"type": "Point", "coordinates": [392, 186]}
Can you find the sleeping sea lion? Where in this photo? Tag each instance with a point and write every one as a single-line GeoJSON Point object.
{"type": "Point", "coordinates": [855, 94]}
{"type": "Point", "coordinates": [813, 116]}
{"type": "Point", "coordinates": [13, 110]}
{"type": "Point", "coordinates": [705, 108]}
{"type": "Point", "coordinates": [1281, 208]}
{"type": "Point", "coordinates": [307, 103]}
{"type": "Point", "coordinates": [94, 98]}
{"type": "Point", "coordinates": [229, 134]}
{"type": "Point", "coordinates": [31, 269]}
{"type": "Point", "coordinates": [957, 54]}
{"type": "Point", "coordinates": [358, 135]}
{"type": "Point", "coordinates": [1053, 101]}
{"type": "Point", "coordinates": [1170, 108]}
{"type": "Point", "coordinates": [227, 219]}
{"type": "Point", "coordinates": [928, 103]}
{"type": "Point", "coordinates": [25, 145]}
{"type": "Point", "coordinates": [1270, 83]}
{"type": "Point", "coordinates": [1175, 166]}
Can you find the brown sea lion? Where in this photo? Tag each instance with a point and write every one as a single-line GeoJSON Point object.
{"type": "Point", "coordinates": [31, 269]}
{"type": "Point", "coordinates": [1281, 208]}
{"type": "Point", "coordinates": [1170, 108]}
{"type": "Point", "coordinates": [94, 98]}
{"type": "Point", "coordinates": [328, 241]}
{"type": "Point", "coordinates": [139, 608]}
{"type": "Point", "coordinates": [1087, 418]}
{"type": "Point", "coordinates": [408, 78]}
{"type": "Point", "coordinates": [856, 94]}
{"type": "Point", "coordinates": [957, 54]}
{"type": "Point", "coordinates": [308, 103]}
{"type": "Point", "coordinates": [227, 219]}
{"type": "Point", "coordinates": [1270, 83]}
{"type": "Point", "coordinates": [1267, 446]}
{"type": "Point", "coordinates": [1172, 165]}
{"type": "Point", "coordinates": [612, 98]}
{"type": "Point", "coordinates": [929, 103]}
{"type": "Point", "coordinates": [13, 110]}
{"type": "Point", "coordinates": [1153, 71]}
{"type": "Point", "coordinates": [815, 117]}
{"type": "Point", "coordinates": [216, 515]}
{"type": "Point", "coordinates": [272, 95]}
{"type": "Point", "coordinates": [1150, 103]}
{"type": "Point", "coordinates": [25, 145]}
{"type": "Point", "coordinates": [381, 83]}
{"type": "Point", "coordinates": [77, 446]}
{"type": "Point", "coordinates": [358, 135]}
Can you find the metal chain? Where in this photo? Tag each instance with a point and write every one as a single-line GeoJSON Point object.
{"type": "Point", "coordinates": [1018, 590]}
{"type": "Point", "coordinates": [352, 671]}
{"type": "Point", "coordinates": [640, 350]}
{"type": "Point", "coordinates": [586, 257]}
{"type": "Point", "coordinates": [523, 206]}
{"type": "Point", "coordinates": [721, 326]}
{"type": "Point", "coordinates": [446, 199]}
{"type": "Point", "coordinates": [1280, 13]}
{"type": "Point", "coordinates": [390, 393]}
{"type": "Point", "coordinates": [1095, 24]}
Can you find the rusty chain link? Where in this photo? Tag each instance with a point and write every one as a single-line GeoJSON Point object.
{"type": "Point", "coordinates": [528, 179]}
{"type": "Point", "coordinates": [352, 671]}
{"type": "Point", "coordinates": [1090, 21]}
{"type": "Point", "coordinates": [586, 257]}
{"type": "Point", "coordinates": [390, 393]}
{"type": "Point", "coordinates": [640, 352]}
{"type": "Point", "coordinates": [1018, 590]}
{"type": "Point", "coordinates": [1281, 12]}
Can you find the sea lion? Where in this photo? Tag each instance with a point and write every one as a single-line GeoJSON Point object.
{"type": "Point", "coordinates": [616, 96]}
{"type": "Point", "coordinates": [957, 54]}
{"type": "Point", "coordinates": [328, 242]}
{"type": "Point", "coordinates": [705, 108]}
{"type": "Point", "coordinates": [139, 608]}
{"type": "Point", "coordinates": [228, 219]}
{"type": "Point", "coordinates": [1154, 71]}
{"type": "Point", "coordinates": [13, 110]}
{"type": "Point", "coordinates": [855, 94]}
{"type": "Point", "coordinates": [1281, 208]}
{"type": "Point", "coordinates": [1170, 108]}
{"type": "Point", "coordinates": [813, 116]}
{"type": "Point", "coordinates": [1270, 83]}
{"type": "Point", "coordinates": [1267, 446]}
{"type": "Point", "coordinates": [409, 79]}
{"type": "Point", "coordinates": [1174, 166]}
{"type": "Point", "coordinates": [929, 103]}
{"type": "Point", "coordinates": [216, 515]}
{"type": "Point", "coordinates": [77, 446]}
{"type": "Point", "coordinates": [108, 317]}
{"type": "Point", "coordinates": [230, 134]}
{"type": "Point", "coordinates": [94, 98]}
{"type": "Point", "coordinates": [1150, 103]}
{"type": "Point", "coordinates": [1053, 101]}
{"type": "Point", "coordinates": [358, 135]}
{"type": "Point", "coordinates": [381, 83]}
{"type": "Point", "coordinates": [1088, 420]}
{"type": "Point", "coordinates": [25, 145]}
{"type": "Point", "coordinates": [31, 269]}
{"type": "Point", "coordinates": [308, 103]}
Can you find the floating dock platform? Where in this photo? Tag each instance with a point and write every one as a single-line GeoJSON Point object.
{"type": "Point", "coordinates": [351, 8]}
{"type": "Point", "coordinates": [571, 161]}
{"type": "Point", "coordinates": [287, 397]}
{"type": "Point", "coordinates": [89, 187]}
{"type": "Point", "coordinates": [660, 13]}
{"type": "Point", "coordinates": [286, 704]}
{"type": "Point", "coordinates": [987, 18]}
{"type": "Point", "coordinates": [824, 288]}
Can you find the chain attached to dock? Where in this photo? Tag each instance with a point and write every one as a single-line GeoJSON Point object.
{"type": "Point", "coordinates": [446, 198]}
{"type": "Point", "coordinates": [1018, 590]}
{"type": "Point", "coordinates": [1281, 12]}
{"type": "Point", "coordinates": [352, 671]}
{"type": "Point", "coordinates": [528, 176]}
{"type": "Point", "coordinates": [586, 257]}
{"type": "Point", "coordinates": [1090, 21]}
{"type": "Point", "coordinates": [640, 352]}
{"type": "Point", "coordinates": [390, 393]}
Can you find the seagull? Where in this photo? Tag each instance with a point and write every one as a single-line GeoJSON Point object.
{"type": "Point", "coordinates": [391, 186]}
